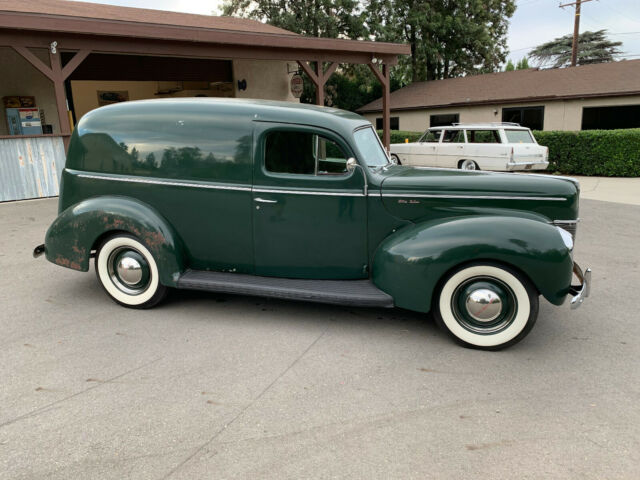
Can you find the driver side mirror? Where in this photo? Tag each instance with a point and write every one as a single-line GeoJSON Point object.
{"type": "Point", "coordinates": [351, 164]}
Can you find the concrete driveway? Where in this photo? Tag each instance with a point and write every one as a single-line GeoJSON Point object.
{"type": "Point", "coordinates": [221, 386]}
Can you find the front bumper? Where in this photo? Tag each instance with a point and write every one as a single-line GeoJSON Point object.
{"type": "Point", "coordinates": [580, 292]}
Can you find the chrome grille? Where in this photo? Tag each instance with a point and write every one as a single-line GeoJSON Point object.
{"type": "Point", "coordinates": [570, 226]}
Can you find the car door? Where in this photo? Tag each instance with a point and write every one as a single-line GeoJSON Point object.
{"type": "Point", "coordinates": [309, 212]}
{"type": "Point", "coordinates": [425, 151]}
{"type": "Point", "coordinates": [451, 148]}
{"type": "Point", "coordinates": [486, 149]}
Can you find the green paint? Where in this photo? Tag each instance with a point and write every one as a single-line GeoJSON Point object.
{"type": "Point", "coordinates": [413, 227]}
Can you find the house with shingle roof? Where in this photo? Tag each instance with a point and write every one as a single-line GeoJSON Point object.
{"type": "Point", "coordinates": [599, 96]}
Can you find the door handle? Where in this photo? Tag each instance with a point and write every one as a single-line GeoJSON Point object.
{"type": "Point", "coordinates": [264, 200]}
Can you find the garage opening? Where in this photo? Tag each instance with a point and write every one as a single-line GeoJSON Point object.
{"type": "Point", "coordinates": [609, 118]}
{"type": "Point", "coordinates": [102, 79]}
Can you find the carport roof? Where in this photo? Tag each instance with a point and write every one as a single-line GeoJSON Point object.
{"type": "Point", "coordinates": [98, 19]}
{"type": "Point", "coordinates": [519, 86]}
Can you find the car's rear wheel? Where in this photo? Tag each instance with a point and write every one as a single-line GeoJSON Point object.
{"type": "Point", "coordinates": [468, 165]}
{"type": "Point", "coordinates": [486, 306]}
{"type": "Point", "coordinates": [396, 159]}
{"type": "Point", "coordinates": [128, 272]}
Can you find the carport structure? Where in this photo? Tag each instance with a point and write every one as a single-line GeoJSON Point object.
{"type": "Point", "coordinates": [74, 32]}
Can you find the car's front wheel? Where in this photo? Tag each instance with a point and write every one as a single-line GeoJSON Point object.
{"type": "Point", "coordinates": [396, 159]}
{"type": "Point", "coordinates": [486, 306]}
{"type": "Point", "coordinates": [128, 272]}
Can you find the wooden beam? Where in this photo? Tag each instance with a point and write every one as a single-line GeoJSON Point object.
{"type": "Point", "coordinates": [329, 71]}
{"type": "Point", "coordinates": [77, 59]}
{"type": "Point", "coordinates": [33, 60]}
{"type": "Point", "coordinates": [171, 48]}
{"type": "Point", "coordinates": [309, 71]}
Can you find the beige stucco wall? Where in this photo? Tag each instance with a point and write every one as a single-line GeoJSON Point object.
{"type": "Point", "coordinates": [558, 115]}
{"type": "Point", "coordinates": [19, 77]}
{"type": "Point", "coordinates": [266, 79]}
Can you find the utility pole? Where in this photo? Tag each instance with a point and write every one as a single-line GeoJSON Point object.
{"type": "Point", "coordinates": [576, 30]}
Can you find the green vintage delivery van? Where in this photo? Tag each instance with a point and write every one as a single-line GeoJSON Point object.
{"type": "Point", "coordinates": [300, 202]}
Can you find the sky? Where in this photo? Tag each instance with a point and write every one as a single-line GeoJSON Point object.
{"type": "Point", "coordinates": [534, 22]}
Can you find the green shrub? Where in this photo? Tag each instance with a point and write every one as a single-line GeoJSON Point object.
{"type": "Point", "coordinates": [606, 153]}
{"type": "Point", "coordinates": [398, 136]}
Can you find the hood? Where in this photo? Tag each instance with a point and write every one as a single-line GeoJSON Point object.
{"type": "Point", "coordinates": [412, 193]}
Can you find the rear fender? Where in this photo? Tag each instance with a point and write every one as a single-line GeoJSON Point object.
{"type": "Point", "coordinates": [409, 264]}
{"type": "Point", "coordinates": [74, 233]}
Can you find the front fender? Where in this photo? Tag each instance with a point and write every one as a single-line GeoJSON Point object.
{"type": "Point", "coordinates": [72, 235]}
{"type": "Point", "coordinates": [409, 264]}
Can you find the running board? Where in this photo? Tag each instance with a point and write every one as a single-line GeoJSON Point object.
{"type": "Point", "coordinates": [356, 293]}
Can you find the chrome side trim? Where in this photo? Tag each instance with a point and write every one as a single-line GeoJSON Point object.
{"type": "Point", "coordinates": [473, 197]}
{"type": "Point", "coordinates": [307, 192]}
{"type": "Point", "coordinates": [565, 222]}
{"type": "Point", "coordinates": [164, 182]}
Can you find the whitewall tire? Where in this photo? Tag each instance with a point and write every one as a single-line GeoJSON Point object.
{"type": "Point", "coordinates": [486, 306]}
{"type": "Point", "coordinates": [128, 272]}
{"type": "Point", "coordinates": [468, 165]}
{"type": "Point", "coordinates": [396, 159]}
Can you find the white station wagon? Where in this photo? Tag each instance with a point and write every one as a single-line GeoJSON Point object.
{"type": "Point", "coordinates": [489, 146]}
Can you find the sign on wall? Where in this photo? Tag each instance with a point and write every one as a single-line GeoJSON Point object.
{"type": "Point", "coordinates": [109, 97]}
{"type": "Point", "coordinates": [297, 85]}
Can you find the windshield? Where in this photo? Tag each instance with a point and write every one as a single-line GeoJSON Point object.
{"type": "Point", "coordinates": [519, 136]}
{"type": "Point", "coordinates": [370, 147]}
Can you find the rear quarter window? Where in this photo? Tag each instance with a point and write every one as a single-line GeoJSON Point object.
{"type": "Point", "coordinates": [483, 136]}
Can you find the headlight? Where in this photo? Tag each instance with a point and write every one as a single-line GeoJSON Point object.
{"type": "Point", "coordinates": [566, 238]}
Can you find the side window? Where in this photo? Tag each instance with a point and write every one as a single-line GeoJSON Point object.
{"type": "Point", "coordinates": [303, 153]}
{"type": "Point", "coordinates": [431, 136]}
{"type": "Point", "coordinates": [453, 136]}
{"type": "Point", "coordinates": [483, 136]}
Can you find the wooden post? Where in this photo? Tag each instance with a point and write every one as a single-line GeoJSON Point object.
{"type": "Point", "coordinates": [57, 75]}
{"type": "Point", "coordinates": [383, 78]}
{"type": "Point", "coordinates": [318, 76]}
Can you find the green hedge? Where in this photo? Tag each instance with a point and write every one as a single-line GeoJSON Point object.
{"type": "Point", "coordinates": [606, 153]}
{"type": "Point", "coordinates": [398, 136]}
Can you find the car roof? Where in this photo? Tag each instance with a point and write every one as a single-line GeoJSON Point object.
{"type": "Point", "coordinates": [485, 126]}
{"type": "Point", "coordinates": [340, 121]}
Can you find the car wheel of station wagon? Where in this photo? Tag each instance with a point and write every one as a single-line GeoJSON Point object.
{"type": "Point", "coordinates": [128, 272]}
{"type": "Point", "coordinates": [396, 159]}
{"type": "Point", "coordinates": [486, 306]}
{"type": "Point", "coordinates": [468, 165]}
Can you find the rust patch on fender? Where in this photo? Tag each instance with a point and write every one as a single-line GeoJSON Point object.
{"type": "Point", "coordinates": [65, 262]}
{"type": "Point", "coordinates": [154, 239]}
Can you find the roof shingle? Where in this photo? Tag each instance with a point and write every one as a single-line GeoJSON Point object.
{"type": "Point", "coordinates": [141, 15]}
{"type": "Point", "coordinates": [599, 80]}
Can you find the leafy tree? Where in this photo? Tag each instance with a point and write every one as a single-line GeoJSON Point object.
{"type": "Point", "coordinates": [351, 86]}
{"type": "Point", "coordinates": [523, 64]}
{"type": "Point", "coordinates": [448, 38]}
{"type": "Point", "coordinates": [593, 47]}
{"type": "Point", "coordinates": [317, 18]}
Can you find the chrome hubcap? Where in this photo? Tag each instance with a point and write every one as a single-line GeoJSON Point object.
{"type": "Point", "coordinates": [129, 270]}
{"type": "Point", "coordinates": [483, 305]}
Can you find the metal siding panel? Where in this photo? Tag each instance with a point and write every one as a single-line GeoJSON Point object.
{"type": "Point", "coordinates": [30, 167]}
